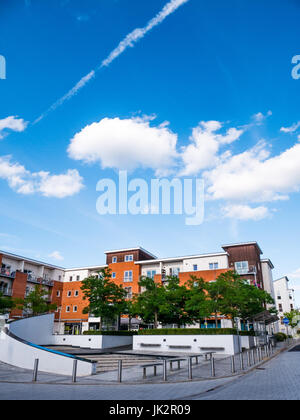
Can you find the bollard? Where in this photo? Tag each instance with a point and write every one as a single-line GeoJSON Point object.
{"type": "Point", "coordinates": [213, 368]}
{"type": "Point", "coordinates": [232, 364]}
{"type": "Point", "coordinates": [165, 374]}
{"type": "Point", "coordinates": [257, 354]}
{"type": "Point", "coordinates": [253, 357]}
{"type": "Point", "coordinates": [120, 366]}
{"type": "Point", "coordinates": [242, 361]}
{"type": "Point", "coordinates": [190, 368]}
{"type": "Point", "coordinates": [248, 358]}
{"type": "Point", "coordinates": [35, 370]}
{"type": "Point", "coordinates": [74, 373]}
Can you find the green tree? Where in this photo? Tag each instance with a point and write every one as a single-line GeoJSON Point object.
{"type": "Point", "coordinates": [197, 305]}
{"type": "Point", "coordinates": [293, 317]}
{"type": "Point", "coordinates": [106, 299]}
{"type": "Point", "coordinates": [174, 309]}
{"type": "Point", "coordinates": [37, 302]}
{"type": "Point", "coordinates": [151, 303]}
{"type": "Point", "coordinates": [6, 304]}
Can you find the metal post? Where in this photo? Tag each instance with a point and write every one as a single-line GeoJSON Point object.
{"type": "Point", "coordinates": [190, 368]}
{"type": "Point", "coordinates": [248, 358]}
{"type": "Point", "coordinates": [213, 369]}
{"type": "Point", "coordinates": [165, 374]}
{"type": "Point", "coordinates": [257, 354]}
{"type": "Point", "coordinates": [120, 366]}
{"type": "Point", "coordinates": [242, 361]}
{"type": "Point", "coordinates": [232, 364]}
{"type": "Point", "coordinates": [74, 373]}
{"type": "Point", "coordinates": [35, 370]}
{"type": "Point", "coordinates": [155, 370]}
{"type": "Point", "coordinates": [253, 356]}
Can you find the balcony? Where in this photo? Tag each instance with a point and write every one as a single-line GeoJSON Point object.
{"type": "Point", "coordinates": [5, 291]}
{"type": "Point", "coordinates": [39, 280]}
{"type": "Point", "coordinates": [6, 272]}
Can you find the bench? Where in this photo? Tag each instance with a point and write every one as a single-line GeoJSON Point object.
{"type": "Point", "coordinates": [154, 365]}
{"type": "Point", "coordinates": [178, 361]}
{"type": "Point", "coordinates": [149, 345]}
{"type": "Point", "coordinates": [180, 347]}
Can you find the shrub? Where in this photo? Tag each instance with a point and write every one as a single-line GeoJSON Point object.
{"type": "Point", "coordinates": [190, 331]}
{"type": "Point", "coordinates": [116, 333]}
{"type": "Point", "coordinates": [280, 336]}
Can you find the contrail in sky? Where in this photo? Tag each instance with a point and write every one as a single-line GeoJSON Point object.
{"type": "Point", "coordinates": [129, 41]}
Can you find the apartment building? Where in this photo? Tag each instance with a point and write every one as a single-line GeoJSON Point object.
{"type": "Point", "coordinates": [284, 298]}
{"type": "Point", "coordinates": [19, 275]}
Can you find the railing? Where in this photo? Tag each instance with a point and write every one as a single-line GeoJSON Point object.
{"type": "Point", "coordinates": [7, 273]}
{"type": "Point", "coordinates": [38, 280]}
{"type": "Point", "coordinates": [6, 291]}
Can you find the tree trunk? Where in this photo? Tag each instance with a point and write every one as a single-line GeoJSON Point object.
{"type": "Point", "coordinates": [155, 320]}
{"type": "Point", "coordinates": [216, 320]}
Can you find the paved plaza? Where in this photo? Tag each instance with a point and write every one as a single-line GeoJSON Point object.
{"type": "Point", "coordinates": [277, 379]}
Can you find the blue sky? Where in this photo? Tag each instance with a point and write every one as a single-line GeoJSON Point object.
{"type": "Point", "coordinates": [205, 62]}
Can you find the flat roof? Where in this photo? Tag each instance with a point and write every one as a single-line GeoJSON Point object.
{"type": "Point", "coordinates": [94, 267]}
{"type": "Point", "coordinates": [188, 257]}
{"type": "Point", "coordinates": [139, 248]}
{"type": "Point", "coordinates": [243, 243]}
{"type": "Point", "coordinates": [20, 258]}
{"type": "Point", "coordinates": [268, 261]}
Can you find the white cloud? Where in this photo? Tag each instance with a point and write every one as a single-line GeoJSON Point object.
{"type": "Point", "coordinates": [12, 123]}
{"type": "Point", "coordinates": [129, 41]}
{"type": "Point", "coordinates": [125, 144]}
{"type": "Point", "coordinates": [254, 176]}
{"type": "Point", "coordinates": [24, 182]}
{"type": "Point", "coordinates": [259, 118]}
{"type": "Point", "coordinates": [291, 129]}
{"type": "Point", "coordinates": [244, 212]}
{"type": "Point", "coordinates": [205, 144]}
{"type": "Point", "coordinates": [56, 256]}
{"type": "Point", "coordinates": [295, 275]}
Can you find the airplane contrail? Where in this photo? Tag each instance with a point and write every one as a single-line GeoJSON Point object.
{"type": "Point", "coordinates": [129, 41]}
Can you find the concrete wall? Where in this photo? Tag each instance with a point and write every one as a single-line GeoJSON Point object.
{"type": "Point", "coordinates": [37, 330]}
{"type": "Point", "coordinates": [92, 341]}
{"type": "Point", "coordinates": [221, 344]}
{"type": "Point", "coordinates": [23, 355]}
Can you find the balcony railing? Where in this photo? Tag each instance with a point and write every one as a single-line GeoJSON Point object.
{"type": "Point", "coordinates": [6, 291]}
{"type": "Point", "coordinates": [7, 272]}
{"type": "Point", "coordinates": [39, 280]}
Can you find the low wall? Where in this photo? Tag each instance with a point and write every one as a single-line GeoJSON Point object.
{"type": "Point", "coordinates": [37, 330]}
{"type": "Point", "coordinates": [247, 342]}
{"type": "Point", "coordinates": [221, 344]}
{"type": "Point", "coordinates": [92, 341]}
{"type": "Point", "coordinates": [17, 352]}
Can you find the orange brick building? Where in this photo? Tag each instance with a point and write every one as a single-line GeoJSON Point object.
{"type": "Point", "coordinates": [18, 276]}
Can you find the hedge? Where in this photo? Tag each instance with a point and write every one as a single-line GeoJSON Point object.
{"type": "Point", "coordinates": [117, 333]}
{"type": "Point", "coordinates": [194, 331]}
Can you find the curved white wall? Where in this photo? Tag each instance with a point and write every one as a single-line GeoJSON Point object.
{"type": "Point", "coordinates": [20, 346]}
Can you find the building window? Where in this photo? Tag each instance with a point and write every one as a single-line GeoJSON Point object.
{"type": "Point", "coordinates": [59, 278]}
{"type": "Point", "coordinates": [71, 278]}
{"type": "Point", "coordinates": [279, 297]}
{"type": "Point", "coordinates": [213, 266]}
{"type": "Point", "coordinates": [58, 293]}
{"type": "Point", "coordinates": [242, 267]}
{"type": "Point", "coordinates": [128, 258]}
{"type": "Point", "coordinates": [114, 260]}
{"type": "Point", "coordinates": [76, 293]}
{"type": "Point", "coordinates": [128, 276]}
{"type": "Point", "coordinates": [175, 271]}
{"type": "Point", "coordinates": [67, 308]}
{"type": "Point", "coordinates": [75, 309]}
{"type": "Point", "coordinates": [292, 307]}
{"type": "Point", "coordinates": [195, 267]}
{"type": "Point", "coordinates": [151, 274]}
{"type": "Point", "coordinates": [113, 275]}
{"type": "Point", "coordinates": [280, 307]}
{"type": "Point", "coordinates": [77, 278]}
{"type": "Point", "coordinates": [69, 294]}
{"type": "Point", "coordinates": [129, 292]}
